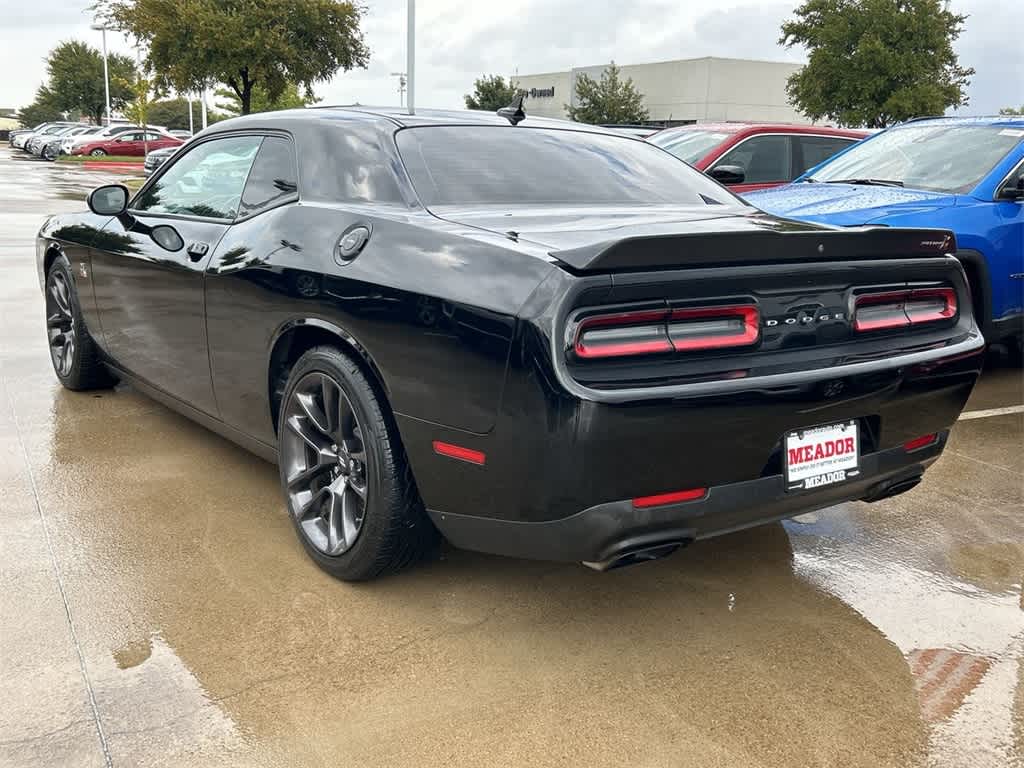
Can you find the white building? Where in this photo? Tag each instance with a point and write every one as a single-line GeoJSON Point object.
{"type": "Point", "coordinates": [681, 91]}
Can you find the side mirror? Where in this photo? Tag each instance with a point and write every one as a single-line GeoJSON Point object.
{"type": "Point", "coordinates": [728, 174]}
{"type": "Point", "coordinates": [1012, 191]}
{"type": "Point", "coordinates": [108, 200]}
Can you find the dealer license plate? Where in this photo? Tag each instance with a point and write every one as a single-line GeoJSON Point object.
{"type": "Point", "coordinates": [821, 456]}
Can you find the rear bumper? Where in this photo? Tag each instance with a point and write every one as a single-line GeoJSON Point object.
{"type": "Point", "coordinates": [606, 531]}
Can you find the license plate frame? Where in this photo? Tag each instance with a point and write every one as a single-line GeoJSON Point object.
{"type": "Point", "coordinates": [829, 462]}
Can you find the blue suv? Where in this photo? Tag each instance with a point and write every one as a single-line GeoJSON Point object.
{"type": "Point", "coordinates": [963, 174]}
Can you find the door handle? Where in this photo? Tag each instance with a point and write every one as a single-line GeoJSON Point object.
{"type": "Point", "coordinates": [197, 250]}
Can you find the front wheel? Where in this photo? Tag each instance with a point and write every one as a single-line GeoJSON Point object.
{"type": "Point", "coordinates": [349, 490]}
{"type": "Point", "coordinates": [98, 152]}
{"type": "Point", "coordinates": [74, 355]}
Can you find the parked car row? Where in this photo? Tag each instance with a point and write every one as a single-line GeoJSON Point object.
{"type": "Point", "coordinates": [539, 338]}
{"type": "Point", "coordinates": [51, 140]}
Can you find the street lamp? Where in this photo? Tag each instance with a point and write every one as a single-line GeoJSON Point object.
{"type": "Point", "coordinates": [410, 66]}
{"type": "Point", "coordinates": [106, 74]}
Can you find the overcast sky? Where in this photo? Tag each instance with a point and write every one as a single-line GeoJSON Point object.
{"type": "Point", "coordinates": [458, 40]}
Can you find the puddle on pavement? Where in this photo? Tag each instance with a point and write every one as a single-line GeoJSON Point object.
{"type": "Point", "coordinates": [962, 639]}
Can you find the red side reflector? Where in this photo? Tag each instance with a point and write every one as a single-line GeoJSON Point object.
{"type": "Point", "coordinates": [459, 452]}
{"type": "Point", "coordinates": [920, 442]}
{"type": "Point", "coordinates": [670, 498]}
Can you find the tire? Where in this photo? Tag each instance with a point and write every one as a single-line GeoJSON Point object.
{"type": "Point", "coordinates": [98, 152]}
{"type": "Point", "coordinates": [75, 357]}
{"type": "Point", "coordinates": [46, 155]}
{"type": "Point", "coordinates": [352, 499]}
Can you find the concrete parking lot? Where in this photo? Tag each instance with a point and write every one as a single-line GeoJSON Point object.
{"type": "Point", "coordinates": [156, 608]}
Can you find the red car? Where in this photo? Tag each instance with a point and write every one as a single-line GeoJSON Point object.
{"type": "Point", "coordinates": [128, 143]}
{"type": "Point", "coordinates": [749, 156]}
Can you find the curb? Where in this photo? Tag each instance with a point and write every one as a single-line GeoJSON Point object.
{"type": "Point", "coordinates": [101, 166]}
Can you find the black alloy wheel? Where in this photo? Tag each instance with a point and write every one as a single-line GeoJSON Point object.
{"type": "Point", "coordinates": [76, 359]}
{"type": "Point", "coordinates": [324, 464]}
{"type": "Point", "coordinates": [344, 473]}
{"type": "Point", "coordinates": [60, 323]}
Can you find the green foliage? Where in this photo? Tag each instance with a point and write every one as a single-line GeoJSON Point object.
{"type": "Point", "coordinates": [242, 43]}
{"type": "Point", "coordinates": [876, 62]}
{"type": "Point", "coordinates": [491, 93]}
{"type": "Point", "coordinates": [1012, 111]}
{"type": "Point", "coordinates": [43, 110]}
{"type": "Point", "coordinates": [290, 98]}
{"type": "Point", "coordinates": [76, 79]}
{"type": "Point", "coordinates": [172, 113]}
{"type": "Point", "coordinates": [608, 100]}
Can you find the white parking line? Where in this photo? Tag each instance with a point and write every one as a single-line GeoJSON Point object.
{"type": "Point", "coordinates": [991, 412]}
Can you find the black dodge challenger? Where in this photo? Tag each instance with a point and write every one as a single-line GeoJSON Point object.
{"type": "Point", "coordinates": [540, 338]}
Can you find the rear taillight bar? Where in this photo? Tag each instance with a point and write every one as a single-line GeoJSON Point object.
{"type": "Point", "coordinates": [646, 332]}
{"type": "Point", "coordinates": [902, 309]}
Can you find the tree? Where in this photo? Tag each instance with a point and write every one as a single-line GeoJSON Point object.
{"type": "Point", "coordinates": [270, 43]}
{"type": "Point", "coordinates": [610, 100]}
{"type": "Point", "coordinates": [76, 79]}
{"type": "Point", "coordinates": [170, 113]}
{"type": "Point", "coordinates": [491, 93]}
{"type": "Point", "coordinates": [137, 110]}
{"type": "Point", "coordinates": [1011, 111]}
{"type": "Point", "coordinates": [876, 62]}
{"type": "Point", "coordinates": [43, 110]}
{"type": "Point", "coordinates": [290, 98]}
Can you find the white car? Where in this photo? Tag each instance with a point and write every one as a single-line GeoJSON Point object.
{"type": "Point", "coordinates": [22, 139]}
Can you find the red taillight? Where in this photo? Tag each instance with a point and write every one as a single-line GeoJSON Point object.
{"type": "Point", "coordinates": [713, 327]}
{"type": "Point", "coordinates": [902, 309]}
{"type": "Point", "coordinates": [670, 498]}
{"type": "Point", "coordinates": [623, 334]}
{"type": "Point", "coordinates": [459, 452]}
{"type": "Point", "coordinates": [920, 442]}
{"type": "Point", "coordinates": [656, 331]}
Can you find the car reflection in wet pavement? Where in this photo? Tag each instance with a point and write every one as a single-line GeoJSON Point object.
{"type": "Point", "coordinates": [155, 608]}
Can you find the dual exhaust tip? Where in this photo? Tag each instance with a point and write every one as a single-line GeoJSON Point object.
{"type": "Point", "coordinates": [645, 553]}
{"type": "Point", "coordinates": [635, 555]}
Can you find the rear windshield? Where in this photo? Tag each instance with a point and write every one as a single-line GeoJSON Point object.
{"type": "Point", "coordinates": [688, 144]}
{"type": "Point", "coordinates": [483, 165]}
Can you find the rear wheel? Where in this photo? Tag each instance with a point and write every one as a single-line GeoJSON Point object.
{"type": "Point", "coordinates": [350, 494]}
{"type": "Point", "coordinates": [74, 355]}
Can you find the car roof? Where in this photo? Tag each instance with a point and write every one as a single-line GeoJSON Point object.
{"type": "Point", "coordinates": [399, 118]}
{"type": "Point", "coordinates": [754, 128]}
{"type": "Point", "coordinates": [1015, 121]}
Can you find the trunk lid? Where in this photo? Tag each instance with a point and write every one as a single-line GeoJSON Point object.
{"type": "Point", "coordinates": [613, 239]}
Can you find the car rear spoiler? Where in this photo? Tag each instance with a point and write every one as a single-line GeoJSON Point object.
{"type": "Point", "coordinates": [719, 249]}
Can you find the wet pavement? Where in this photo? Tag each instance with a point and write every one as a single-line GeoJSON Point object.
{"type": "Point", "coordinates": [156, 608]}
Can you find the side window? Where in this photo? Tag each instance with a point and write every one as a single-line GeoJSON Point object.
{"type": "Point", "coordinates": [272, 178]}
{"type": "Point", "coordinates": [154, 137]}
{"type": "Point", "coordinates": [205, 181]}
{"type": "Point", "coordinates": [762, 158]}
{"type": "Point", "coordinates": [818, 149]}
{"type": "Point", "coordinates": [130, 137]}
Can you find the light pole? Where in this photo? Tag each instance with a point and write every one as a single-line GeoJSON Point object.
{"type": "Point", "coordinates": [410, 66]}
{"type": "Point", "coordinates": [401, 87]}
{"type": "Point", "coordinates": [106, 74]}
